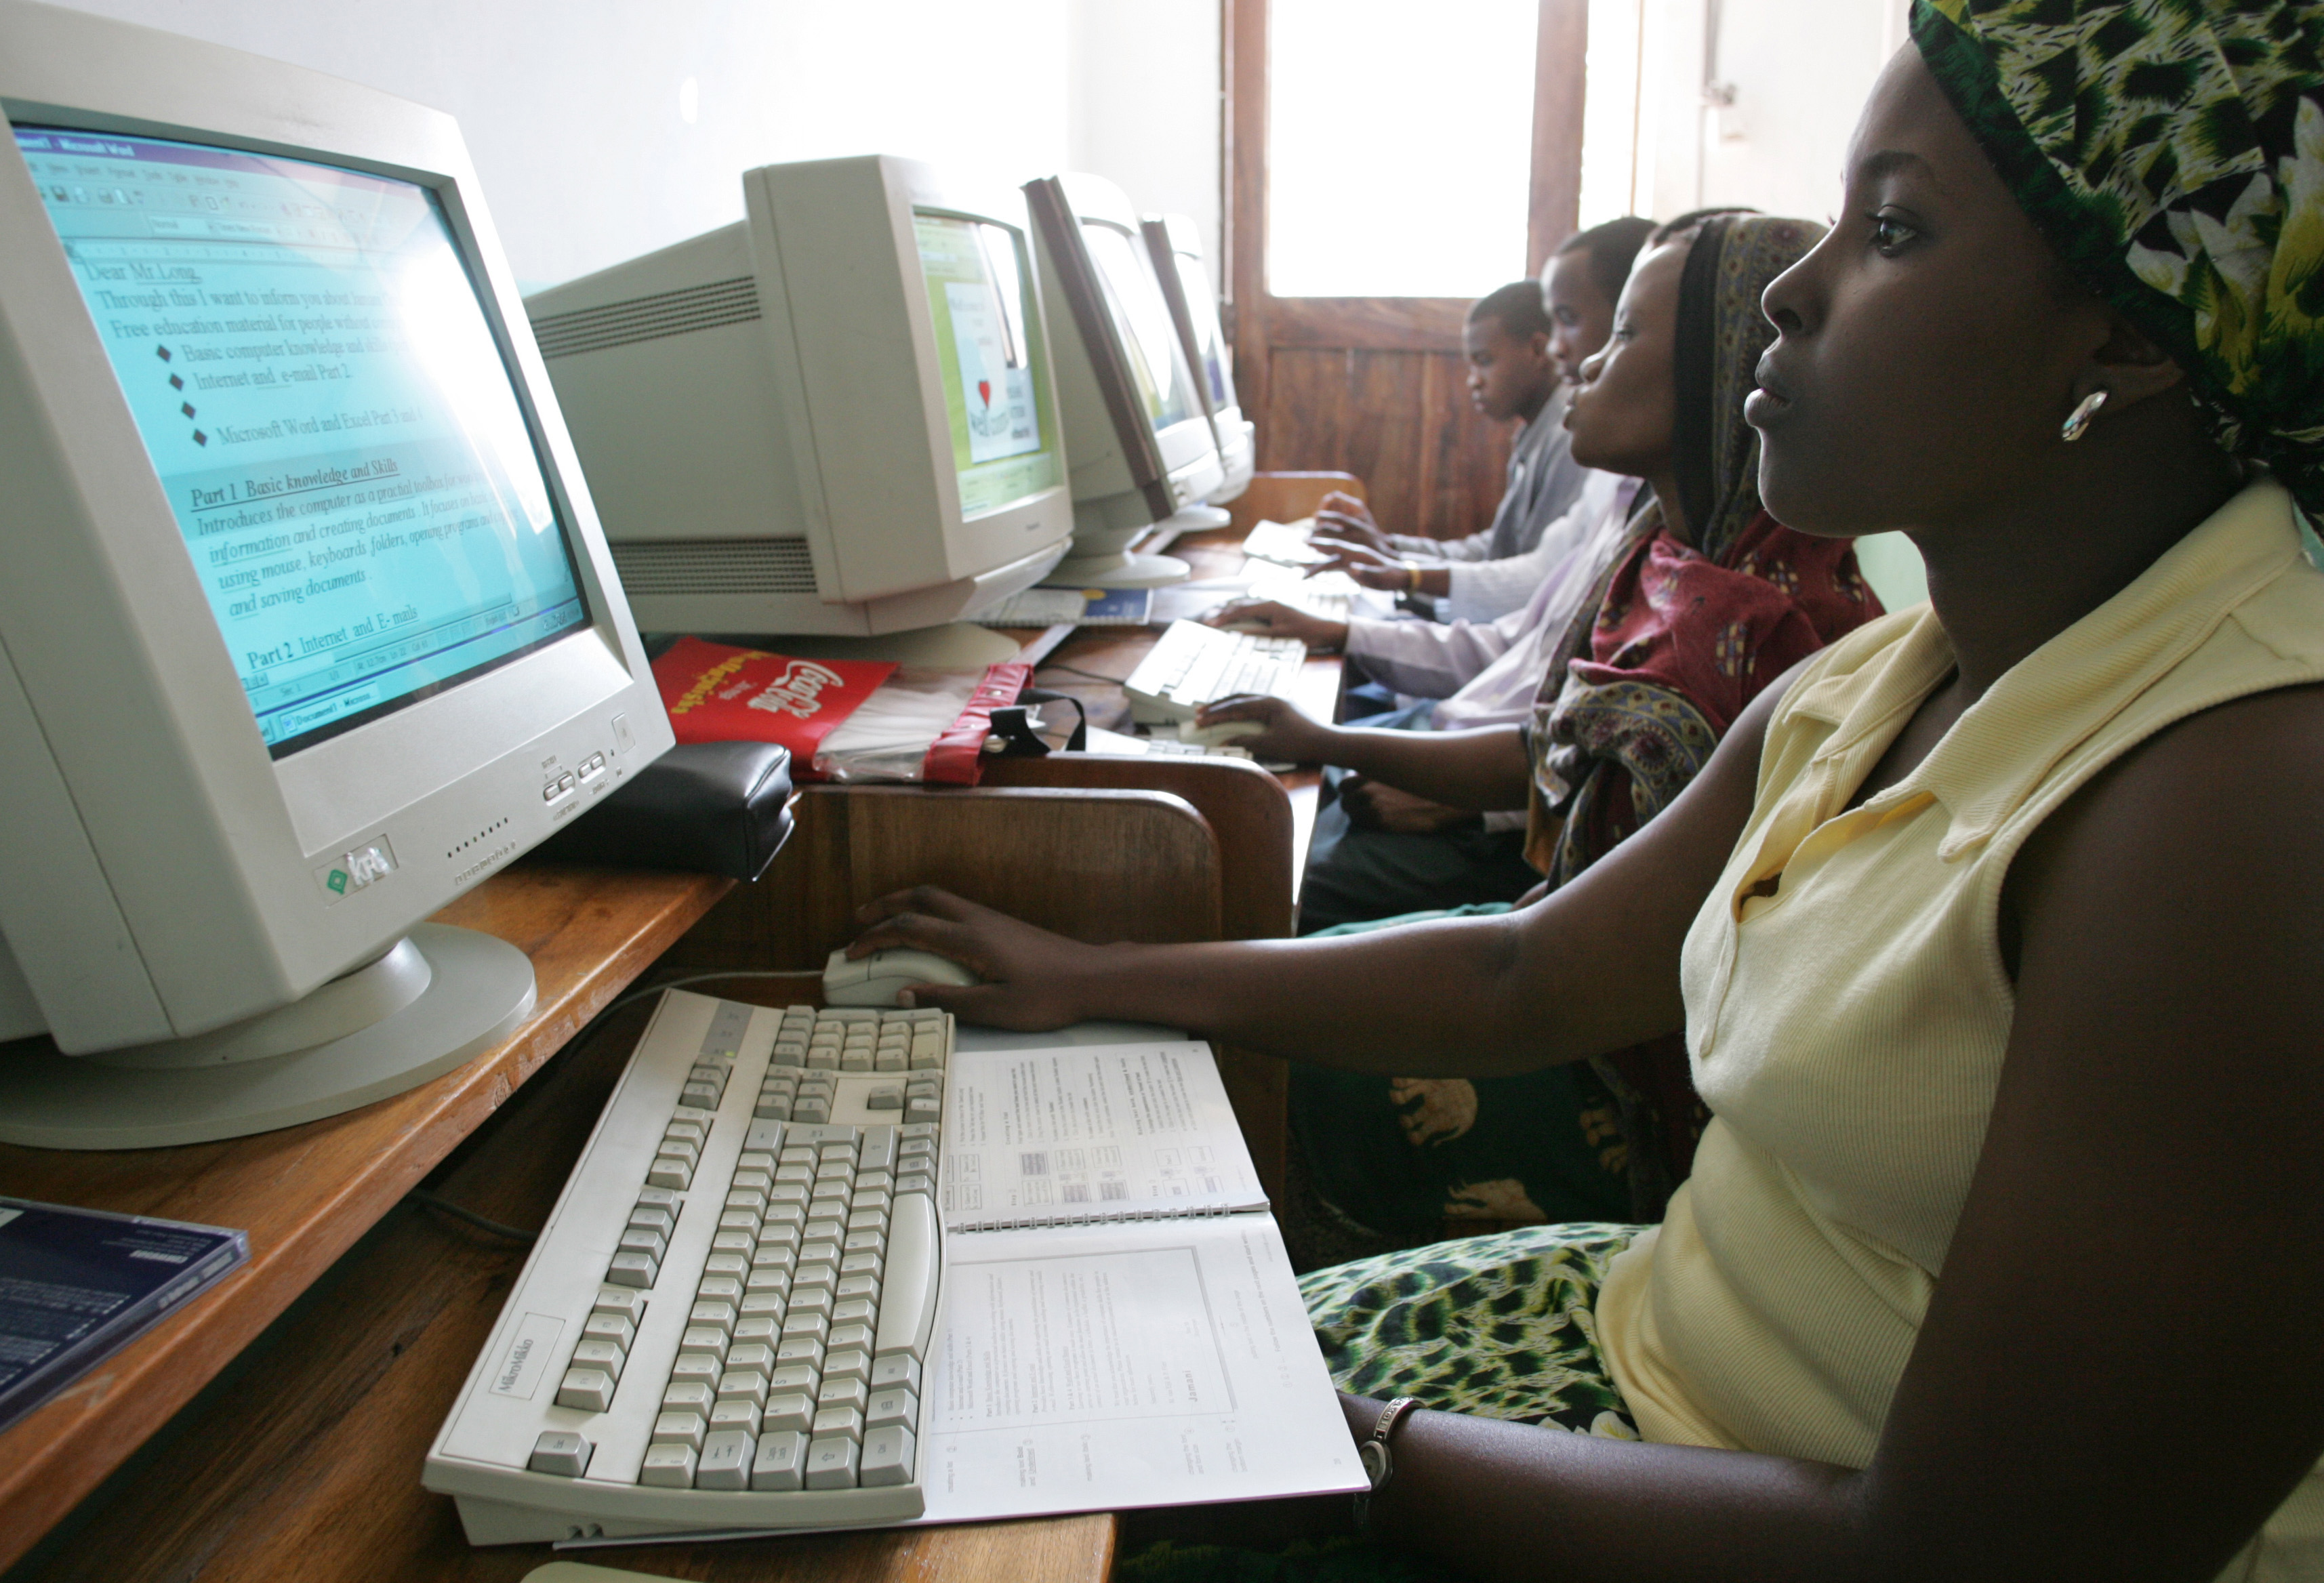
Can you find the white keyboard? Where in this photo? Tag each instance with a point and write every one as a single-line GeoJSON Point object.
{"type": "Point", "coordinates": [1331, 596]}
{"type": "Point", "coordinates": [723, 1325]}
{"type": "Point", "coordinates": [1283, 543]}
{"type": "Point", "coordinates": [1195, 665]}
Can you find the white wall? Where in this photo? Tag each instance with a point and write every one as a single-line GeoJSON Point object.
{"type": "Point", "coordinates": [593, 146]}
{"type": "Point", "coordinates": [1796, 71]}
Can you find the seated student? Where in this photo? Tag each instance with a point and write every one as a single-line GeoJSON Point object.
{"type": "Point", "coordinates": [1524, 344]}
{"type": "Point", "coordinates": [1707, 601]}
{"type": "Point", "coordinates": [1994, 930]}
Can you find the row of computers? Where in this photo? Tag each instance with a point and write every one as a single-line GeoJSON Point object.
{"type": "Point", "coordinates": [308, 616]}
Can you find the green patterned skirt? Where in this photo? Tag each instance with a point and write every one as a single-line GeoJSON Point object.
{"type": "Point", "coordinates": [1502, 1326]}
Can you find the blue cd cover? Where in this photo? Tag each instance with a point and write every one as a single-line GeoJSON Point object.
{"type": "Point", "coordinates": [77, 1286]}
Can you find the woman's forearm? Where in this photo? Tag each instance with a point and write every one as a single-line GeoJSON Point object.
{"type": "Point", "coordinates": [1484, 769]}
{"type": "Point", "coordinates": [1439, 999]}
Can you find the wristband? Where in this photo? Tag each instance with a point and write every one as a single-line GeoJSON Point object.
{"type": "Point", "coordinates": [1379, 1463]}
{"type": "Point", "coordinates": [1413, 572]}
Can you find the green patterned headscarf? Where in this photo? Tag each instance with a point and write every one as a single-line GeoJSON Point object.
{"type": "Point", "coordinates": [2173, 151]}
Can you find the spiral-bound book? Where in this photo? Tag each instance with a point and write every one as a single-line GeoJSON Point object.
{"type": "Point", "coordinates": [1092, 1135]}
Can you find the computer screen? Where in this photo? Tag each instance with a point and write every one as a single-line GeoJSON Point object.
{"type": "Point", "coordinates": [987, 326]}
{"type": "Point", "coordinates": [1144, 321]}
{"type": "Point", "coordinates": [322, 401]}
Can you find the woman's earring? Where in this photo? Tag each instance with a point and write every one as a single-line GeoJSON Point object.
{"type": "Point", "coordinates": [2077, 423]}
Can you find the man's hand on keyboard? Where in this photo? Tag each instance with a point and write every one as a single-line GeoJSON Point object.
{"type": "Point", "coordinates": [1374, 807]}
{"type": "Point", "coordinates": [1028, 971]}
{"type": "Point", "coordinates": [1381, 569]}
{"type": "Point", "coordinates": [1286, 737]}
{"type": "Point", "coordinates": [1279, 620]}
{"type": "Point", "coordinates": [1344, 516]}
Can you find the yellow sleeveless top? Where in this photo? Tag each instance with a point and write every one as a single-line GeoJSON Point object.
{"type": "Point", "coordinates": [1847, 1030]}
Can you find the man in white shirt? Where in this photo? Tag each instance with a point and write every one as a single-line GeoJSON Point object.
{"type": "Point", "coordinates": [1523, 343]}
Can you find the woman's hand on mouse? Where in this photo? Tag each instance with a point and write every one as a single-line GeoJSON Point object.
{"type": "Point", "coordinates": [1266, 617]}
{"type": "Point", "coordinates": [1284, 736]}
{"type": "Point", "coordinates": [1029, 973]}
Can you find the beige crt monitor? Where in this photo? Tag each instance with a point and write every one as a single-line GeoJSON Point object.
{"type": "Point", "coordinates": [836, 416]}
{"type": "Point", "coordinates": [1142, 448]}
{"type": "Point", "coordinates": [306, 622]}
{"type": "Point", "coordinates": [1175, 247]}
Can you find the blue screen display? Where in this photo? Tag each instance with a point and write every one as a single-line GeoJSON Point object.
{"type": "Point", "coordinates": [321, 398]}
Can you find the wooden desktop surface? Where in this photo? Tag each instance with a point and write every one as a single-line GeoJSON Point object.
{"type": "Point", "coordinates": [1093, 662]}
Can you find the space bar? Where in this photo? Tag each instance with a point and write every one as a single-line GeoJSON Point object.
{"type": "Point", "coordinates": [908, 1302]}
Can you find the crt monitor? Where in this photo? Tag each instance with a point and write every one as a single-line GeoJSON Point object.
{"type": "Point", "coordinates": [1141, 446]}
{"type": "Point", "coordinates": [834, 416]}
{"type": "Point", "coordinates": [306, 625]}
{"type": "Point", "coordinates": [1176, 246]}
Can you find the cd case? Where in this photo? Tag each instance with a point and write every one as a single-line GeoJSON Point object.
{"type": "Point", "coordinates": [77, 1286]}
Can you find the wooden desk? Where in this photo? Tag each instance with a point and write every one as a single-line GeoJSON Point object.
{"type": "Point", "coordinates": [1093, 662]}
{"type": "Point", "coordinates": [301, 1458]}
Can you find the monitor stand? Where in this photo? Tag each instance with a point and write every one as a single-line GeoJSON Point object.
{"type": "Point", "coordinates": [436, 999]}
{"type": "Point", "coordinates": [1101, 558]}
{"type": "Point", "coordinates": [1194, 519]}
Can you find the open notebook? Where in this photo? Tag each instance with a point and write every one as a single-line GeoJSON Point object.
{"type": "Point", "coordinates": [1121, 1327]}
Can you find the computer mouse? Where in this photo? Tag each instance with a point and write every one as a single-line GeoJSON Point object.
{"type": "Point", "coordinates": [1224, 731]}
{"type": "Point", "coordinates": [878, 978]}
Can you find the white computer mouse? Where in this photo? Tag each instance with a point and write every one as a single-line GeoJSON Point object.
{"type": "Point", "coordinates": [878, 978]}
{"type": "Point", "coordinates": [1224, 731]}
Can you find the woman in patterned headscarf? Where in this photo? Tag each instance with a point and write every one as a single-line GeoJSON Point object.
{"type": "Point", "coordinates": [1994, 928]}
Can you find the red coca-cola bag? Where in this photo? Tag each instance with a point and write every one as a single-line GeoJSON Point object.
{"type": "Point", "coordinates": [843, 719]}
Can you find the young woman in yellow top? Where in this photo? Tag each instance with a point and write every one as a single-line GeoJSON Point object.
{"type": "Point", "coordinates": [1997, 932]}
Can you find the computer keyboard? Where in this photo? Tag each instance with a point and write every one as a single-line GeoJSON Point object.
{"type": "Point", "coordinates": [1193, 664]}
{"type": "Point", "coordinates": [1329, 595]}
{"type": "Point", "coordinates": [1283, 543]}
{"type": "Point", "coordinates": [725, 1322]}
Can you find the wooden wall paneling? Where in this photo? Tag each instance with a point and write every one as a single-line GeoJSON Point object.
{"type": "Point", "coordinates": [1401, 421]}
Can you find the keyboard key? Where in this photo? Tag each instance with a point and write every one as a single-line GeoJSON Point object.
{"type": "Point", "coordinates": [907, 1311]}
{"type": "Point", "coordinates": [711, 1312]}
{"type": "Point", "coordinates": [891, 1406]}
{"type": "Point", "coordinates": [886, 1456]}
{"type": "Point", "coordinates": [759, 1355]}
{"type": "Point", "coordinates": [702, 1367]}
{"type": "Point", "coordinates": [657, 1216]}
{"type": "Point", "coordinates": [731, 1264]}
{"type": "Point", "coordinates": [806, 1349]}
{"type": "Point", "coordinates": [561, 1452]}
{"type": "Point", "coordinates": [739, 1239]}
{"type": "Point", "coordinates": [844, 1338]}
{"type": "Point", "coordinates": [898, 1369]}
{"type": "Point", "coordinates": [847, 1362]}
{"type": "Point", "coordinates": [682, 1148]}
{"type": "Point", "coordinates": [743, 1385]}
{"type": "Point", "coordinates": [807, 1299]}
{"type": "Point", "coordinates": [762, 1305]}
{"type": "Point", "coordinates": [754, 1329]}
{"type": "Point", "coordinates": [838, 1421]}
{"type": "Point", "coordinates": [781, 1461]}
{"type": "Point", "coordinates": [685, 1428]}
{"type": "Point", "coordinates": [725, 1461]}
{"type": "Point", "coordinates": [590, 1390]}
{"type": "Point", "coordinates": [725, 1288]}
{"type": "Point", "coordinates": [644, 1239]}
{"type": "Point", "coordinates": [631, 1269]}
{"type": "Point", "coordinates": [605, 1355]}
{"type": "Point", "coordinates": [836, 1392]}
{"type": "Point", "coordinates": [616, 1328]}
{"type": "Point", "coordinates": [792, 1409]}
{"type": "Point", "coordinates": [857, 1286]}
{"type": "Point", "coordinates": [788, 1378]}
{"type": "Point", "coordinates": [669, 1465]}
{"type": "Point", "coordinates": [687, 1397]}
{"type": "Point", "coordinates": [805, 1325]}
{"type": "Point", "coordinates": [855, 1311]}
{"type": "Point", "coordinates": [669, 1170]}
{"type": "Point", "coordinates": [878, 1149]}
{"type": "Point", "coordinates": [629, 1303]}
{"type": "Point", "coordinates": [709, 1339]}
{"type": "Point", "coordinates": [734, 1412]}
